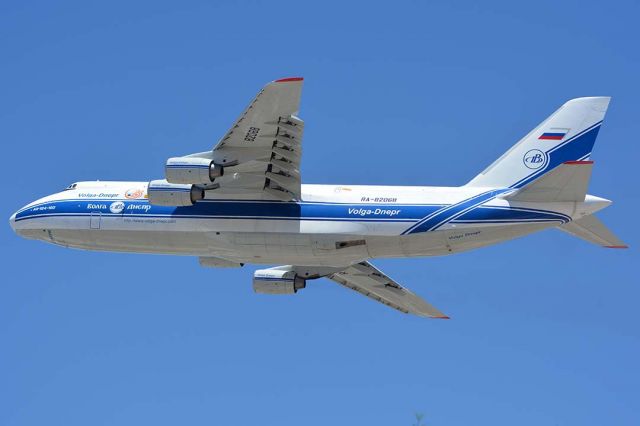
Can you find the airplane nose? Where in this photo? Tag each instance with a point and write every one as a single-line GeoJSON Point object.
{"type": "Point", "coordinates": [12, 221]}
{"type": "Point", "coordinates": [32, 229]}
{"type": "Point", "coordinates": [25, 229]}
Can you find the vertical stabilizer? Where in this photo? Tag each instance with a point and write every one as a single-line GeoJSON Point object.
{"type": "Point", "coordinates": [568, 135]}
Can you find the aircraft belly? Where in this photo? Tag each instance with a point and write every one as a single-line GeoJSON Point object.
{"type": "Point", "coordinates": [463, 238]}
{"type": "Point", "coordinates": [171, 224]}
{"type": "Point", "coordinates": [260, 248]}
{"type": "Point", "coordinates": [298, 249]}
{"type": "Point", "coordinates": [448, 241]}
{"type": "Point", "coordinates": [131, 241]}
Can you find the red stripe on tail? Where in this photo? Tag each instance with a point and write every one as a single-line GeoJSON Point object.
{"type": "Point", "coordinates": [285, 80]}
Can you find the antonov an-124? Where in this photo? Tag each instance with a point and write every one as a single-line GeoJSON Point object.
{"type": "Point", "coordinates": [243, 202]}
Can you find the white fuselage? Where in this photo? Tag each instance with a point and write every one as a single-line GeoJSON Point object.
{"type": "Point", "coordinates": [334, 225]}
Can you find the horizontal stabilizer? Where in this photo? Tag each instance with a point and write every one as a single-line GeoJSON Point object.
{"type": "Point", "coordinates": [590, 229]}
{"type": "Point", "coordinates": [567, 182]}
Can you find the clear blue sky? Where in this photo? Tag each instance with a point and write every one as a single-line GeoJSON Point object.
{"type": "Point", "coordinates": [544, 330]}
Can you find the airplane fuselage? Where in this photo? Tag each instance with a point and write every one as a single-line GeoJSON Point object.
{"type": "Point", "coordinates": [334, 225]}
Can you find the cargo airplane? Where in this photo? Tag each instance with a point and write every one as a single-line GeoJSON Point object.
{"type": "Point", "coordinates": [243, 202]}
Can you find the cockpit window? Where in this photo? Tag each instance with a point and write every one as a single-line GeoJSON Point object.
{"type": "Point", "coordinates": [70, 187]}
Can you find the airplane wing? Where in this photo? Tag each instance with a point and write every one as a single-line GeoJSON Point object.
{"type": "Point", "coordinates": [362, 277]}
{"type": "Point", "coordinates": [261, 152]}
{"type": "Point", "coordinates": [366, 279]}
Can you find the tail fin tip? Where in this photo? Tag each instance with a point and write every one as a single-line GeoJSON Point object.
{"type": "Point", "coordinates": [599, 103]}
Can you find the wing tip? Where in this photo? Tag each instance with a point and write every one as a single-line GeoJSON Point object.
{"type": "Point", "coordinates": [288, 79]}
{"type": "Point", "coordinates": [444, 317]}
{"type": "Point", "coordinates": [617, 247]}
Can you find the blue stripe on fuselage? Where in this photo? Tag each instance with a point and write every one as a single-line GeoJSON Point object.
{"type": "Point", "coordinates": [423, 217]}
{"type": "Point", "coordinates": [446, 214]}
{"type": "Point", "coordinates": [243, 210]}
{"type": "Point", "coordinates": [493, 213]}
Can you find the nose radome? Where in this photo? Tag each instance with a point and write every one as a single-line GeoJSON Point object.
{"type": "Point", "coordinates": [12, 221]}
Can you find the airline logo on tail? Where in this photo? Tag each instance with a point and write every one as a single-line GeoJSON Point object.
{"type": "Point", "coordinates": [554, 135]}
{"type": "Point", "coordinates": [534, 159]}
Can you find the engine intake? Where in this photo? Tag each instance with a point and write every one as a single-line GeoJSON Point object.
{"type": "Point", "coordinates": [163, 193]}
{"type": "Point", "coordinates": [192, 170]}
{"type": "Point", "coordinates": [275, 281]}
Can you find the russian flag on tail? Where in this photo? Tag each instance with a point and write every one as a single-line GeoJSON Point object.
{"type": "Point", "coordinates": [554, 134]}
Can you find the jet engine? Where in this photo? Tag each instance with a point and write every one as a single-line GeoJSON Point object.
{"type": "Point", "coordinates": [277, 281]}
{"type": "Point", "coordinates": [192, 170]}
{"type": "Point", "coordinates": [163, 193]}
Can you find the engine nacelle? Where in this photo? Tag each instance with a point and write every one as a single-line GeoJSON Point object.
{"type": "Point", "coordinates": [191, 170]}
{"type": "Point", "coordinates": [163, 193]}
{"type": "Point", "coordinates": [274, 281]}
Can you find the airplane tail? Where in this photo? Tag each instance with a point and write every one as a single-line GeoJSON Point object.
{"type": "Point", "coordinates": [551, 164]}
{"type": "Point", "coordinates": [568, 183]}
{"type": "Point", "coordinates": [565, 138]}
